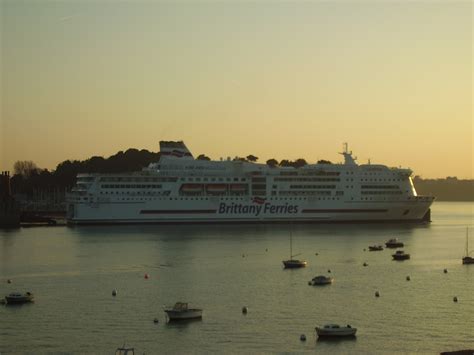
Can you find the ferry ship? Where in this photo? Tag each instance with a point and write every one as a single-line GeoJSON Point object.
{"type": "Point", "coordinates": [181, 189]}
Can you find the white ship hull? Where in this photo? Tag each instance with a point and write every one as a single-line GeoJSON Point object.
{"type": "Point", "coordinates": [246, 211]}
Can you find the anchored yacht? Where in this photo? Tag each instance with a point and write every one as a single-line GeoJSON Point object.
{"type": "Point", "coordinates": [181, 189]}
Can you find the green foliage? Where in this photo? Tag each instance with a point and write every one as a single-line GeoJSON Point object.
{"type": "Point", "coordinates": [298, 163]}
{"type": "Point", "coordinates": [252, 158]}
{"type": "Point", "coordinates": [203, 157]}
{"type": "Point", "coordinates": [64, 176]}
{"type": "Point", "coordinates": [272, 162]}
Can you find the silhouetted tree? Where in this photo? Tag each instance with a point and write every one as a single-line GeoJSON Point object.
{"type": "Point", "coordinates": [272, 162]}
{"type": "Point", "coordinates": [203, 157]}
{"type": "Point", "coordinates": [25, 168]}
{"type": "Point", "coordinates": [239, 159]}
{"type": "Point", "coordinates": [322, 161]}
{"type": "Point", "coordinates": [285, 163]}
{"type": "Point", "coordinates": [298, 163]}
{"type": "Point", "coordinates": [252, 158]}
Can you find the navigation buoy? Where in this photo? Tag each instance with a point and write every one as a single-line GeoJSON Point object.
{"type": "Point", "coordinates": [364, 249]}
{"type": "Point", "coordinates": [365, 264]}
{"type": "Point", "coordinates": [316, 254]}
{"type": "Point", "coordinates": [147, 276]}
{"type": "Point", "coordinates": [114, 293]}
{"type": "Point", "coordinates": [244, 310]}
{"type": "Point", "coordinates": [455, 299]}
{"type": "Point", "coordinates": [329, 270]}
{"type": "Point", "coordinates": [9, 281]}
{"type": "Point", "coordinates": [408, 278]}
{"type": "Point", "coordinates": [377, 294]}
{"type": "Point", "coordinates": [303, 337]}
{"type": "Point", "coordinates": [309, 283]}
{"type": "Point", "coordinates": [155, 320]}
{"type": "Point", "coordinates": [445, 271]}
{"type": "Point", "coordinates": [266, 249]}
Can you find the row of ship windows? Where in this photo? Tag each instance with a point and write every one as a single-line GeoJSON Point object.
{"type": "Point", "coordinates": [222, 199]}
{"type": "Point", "coordinates": [163, 193]}
{"type": "Point", "coordinates": [197, 179]}
{"type": "Point", "coordinates": [312, 186]}
{"type": "Point", "coordinates": [380, 186]}
{"type": "Point", "coordinates": [239, 199]}
{"type": "Point", "coordinates": [131, 186]}
{"type": "Point", "coordinates": [302, 179]}
{"type": "Point", "coordinates": [136, 179]}
{"type": "Point", "coordinates": [393, 180]}
{"type": "Point", "coordinates": [381, 192]}
{"type": "Point", "coordinates": [311, 173]}
{"type": "Point", "coordinates": [158, 186]}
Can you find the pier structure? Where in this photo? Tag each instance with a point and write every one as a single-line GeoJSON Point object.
{"type": "Point", "coordinates": [9, 210]}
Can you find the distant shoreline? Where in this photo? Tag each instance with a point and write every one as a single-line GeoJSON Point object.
{"type": "Point", "coordinates": [449, 189]}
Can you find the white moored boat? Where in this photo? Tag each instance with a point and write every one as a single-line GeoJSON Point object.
{"type": "Point", "coordinates": [335, 330]}
{"type": "Point", "coordinates": [321, 280]}
{"type": "Point", "coordinates": [180, 311]}
{"type": "Point", "coordinates": [181, 189]}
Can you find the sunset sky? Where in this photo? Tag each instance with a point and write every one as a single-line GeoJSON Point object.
{"type": "Point", "coordinates": [277, 79]}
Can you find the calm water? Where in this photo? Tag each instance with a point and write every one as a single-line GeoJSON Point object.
{"type": "Point", "coordinates": [72, 272]}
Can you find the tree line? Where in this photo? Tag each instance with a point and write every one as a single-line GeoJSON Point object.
{"type": "Point", "coordinates": [28, 177]}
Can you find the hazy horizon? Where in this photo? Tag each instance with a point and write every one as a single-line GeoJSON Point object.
{"type": "Point", "coordinates": [274, 79]}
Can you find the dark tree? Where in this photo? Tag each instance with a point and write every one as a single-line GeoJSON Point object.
{"type": "Point", "coordinates": [25, 168]}
{"type": "Point", "coordinates": [298, 163]}
{"type": "Point", "coordinates": [203, 157]}
{"type": "Point", "coordinates": [272, 162]}
{"type": "Point", "coordinates": [286, 163]}
{"type": "Point", "coordinates": [252, 158]}
{"type": "Point", "coordinates": [239, 159]}
{"type": "Point", "coordinates": [322, 161]}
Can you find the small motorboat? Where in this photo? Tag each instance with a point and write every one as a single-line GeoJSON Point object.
{"type": "Point", "coordinates": [180, 311]}
{"type": "Point", "coordinates": [375, 247]}
{"type": "Point", "coordinates": [335, 330]}
{"type": "Point", "coordinates": [18, 298]}
{"type": "Point", "coordinates": [125, 351]}
{"type": "Point", "coordinates": [394, 243]}
{"type": "Point", "coordinates": [400, 255]}
{"type": "Point", "coordinates": [321, 280]}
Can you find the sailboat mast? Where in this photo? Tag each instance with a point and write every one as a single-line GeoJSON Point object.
{"type": "Point", "coordinates": [467, 241]}
{"type": "Point", "coordinates": [291, 245]}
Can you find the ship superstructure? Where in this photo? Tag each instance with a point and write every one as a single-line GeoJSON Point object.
{"type": "Point", "coordinates": [181, 189]}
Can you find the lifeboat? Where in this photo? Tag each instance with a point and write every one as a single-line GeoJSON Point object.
{"type": "Point", "coordinates": [216, 188]}
{"type": "Point", "coordinates": [191, 188]}
{"type": "Point", "coordinates": [238, 188]}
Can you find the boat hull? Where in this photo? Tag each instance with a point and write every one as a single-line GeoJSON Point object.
{"type": "Point", "coordinates": [183, 315]}
{"type": "Point", "coordinates": [401, 257]}
{"type": "Point", "coordinates": [336, 333]}
{"type": "Point", "coordinates": [468, 260]}
{"type": "Point", "coordinates": [294, 264]}
{"type": "Point", "coordinates": [19, 300]}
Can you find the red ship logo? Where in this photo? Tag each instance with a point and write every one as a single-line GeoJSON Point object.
{"type": "Point", "coordinates": [258, 200]}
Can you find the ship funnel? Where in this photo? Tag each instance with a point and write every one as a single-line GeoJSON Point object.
{"type": "Point", "coordinates": [173, 149]}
